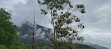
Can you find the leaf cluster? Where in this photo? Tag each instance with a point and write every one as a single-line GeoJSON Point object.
{"type": "Point", "coordinates": [8, 33]}
{"type": "Point", "coordinates": [61, 20]}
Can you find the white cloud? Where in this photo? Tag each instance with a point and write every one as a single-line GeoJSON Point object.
{"type": "Point", "coordinates": [96, 36]}
{"type": "Point", "coordinates": [9, 4]}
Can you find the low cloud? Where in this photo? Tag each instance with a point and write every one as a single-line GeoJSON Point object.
{"type": "Point", "coordinates": [96, 20]}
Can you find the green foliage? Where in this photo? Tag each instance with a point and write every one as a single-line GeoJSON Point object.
{"type": "Point", "coordinates": [61, 21]}
{"type": "Point", "coordinates": [44, 47]}
{"type": "Point", "coordinates": [8, 33]}
{"type": "Point", "coordinates": [4, 15]}
{"type": "Point", "coordinates": [43, 12]}
{"type": "Point", "coordinates": [17, 47]}
{"type": "Point", "coordinates": [63, 45]}
{"type": "Point", "coordinates": [81, 7]}
{"type": "Point", "coordinates": [65, 18]}
{"type": "Point", "coordinates": [47, 47]}
{"type": "Point", "coordinates": [38, 47]}
{"type": "Point", "coordinates": [19, 44]}
{"type": "Point", "coordinates": [3, 47]}
{"type": "Point", "coordinates": [55, 4]}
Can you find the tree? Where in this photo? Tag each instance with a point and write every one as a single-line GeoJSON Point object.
{"type": "Point", "coordinates": [62, 17]}
{"type": "Point", "coordinates": [8, 33]}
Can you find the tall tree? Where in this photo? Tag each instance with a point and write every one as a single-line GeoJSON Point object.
{"type": "Point", "coordinates": [8, 33]}
{"type": "Point", "coordinates": [62, 17]}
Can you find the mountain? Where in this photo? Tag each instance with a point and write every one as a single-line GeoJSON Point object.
{"type": "Point", "coordinates": [26, 29]}
{"type": "Point", "coordinates": [96, 46]}
{"type": "Point", "coordinates": [41, 33]}
{"type": "Point", "coordinates": [83, 46]}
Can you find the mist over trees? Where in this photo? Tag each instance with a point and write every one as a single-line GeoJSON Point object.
{"type": "Point", "coordinates": [34, 36]}
{"type": "Point", "coordinates": [41, 34]}
{"type": "Point", "coordinates": [41, 42]}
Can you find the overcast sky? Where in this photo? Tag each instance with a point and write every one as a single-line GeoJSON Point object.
{"type": "Point", "coordinates": [97, 19]}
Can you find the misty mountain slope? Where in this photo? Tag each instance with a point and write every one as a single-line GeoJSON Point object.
{"type": "Point", "coordinates": [27, 29]}
{"type": "Point", "coordinates": [97, 46]}
{"type": "Point", "coordinates": [41, 33]}
{"type": "Point", "coordinates": [82, 46]}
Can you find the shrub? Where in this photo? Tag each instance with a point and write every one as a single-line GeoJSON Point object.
{"type": "Point", "coordinates": [17, 47]}
{"type": "Point", "coordinates": [47, 47]}
{"type": "Point", "coordinates": [3, 47]}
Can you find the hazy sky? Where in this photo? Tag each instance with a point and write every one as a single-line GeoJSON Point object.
{"type": "Point", "coordinates": [97, 19]}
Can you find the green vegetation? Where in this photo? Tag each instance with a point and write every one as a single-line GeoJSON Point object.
{"type": "Point", "coordinates": [8, 33]}
{"type": "Point", "coordinates": [62, 17]}
{"type": "Point", "coordinates": [3, 47]}
{"type": "Point", "coordinates": [17, 47]}
{"type": "Point", "coordinates": [60, 20]}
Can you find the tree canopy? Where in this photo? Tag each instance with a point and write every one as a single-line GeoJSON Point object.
{"type": "Point", "coordinates": [61, 12]}
{"type": "Point", "coordinates": [62, 17]}
{"type": "Point", "coordinates": [8, 33]}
